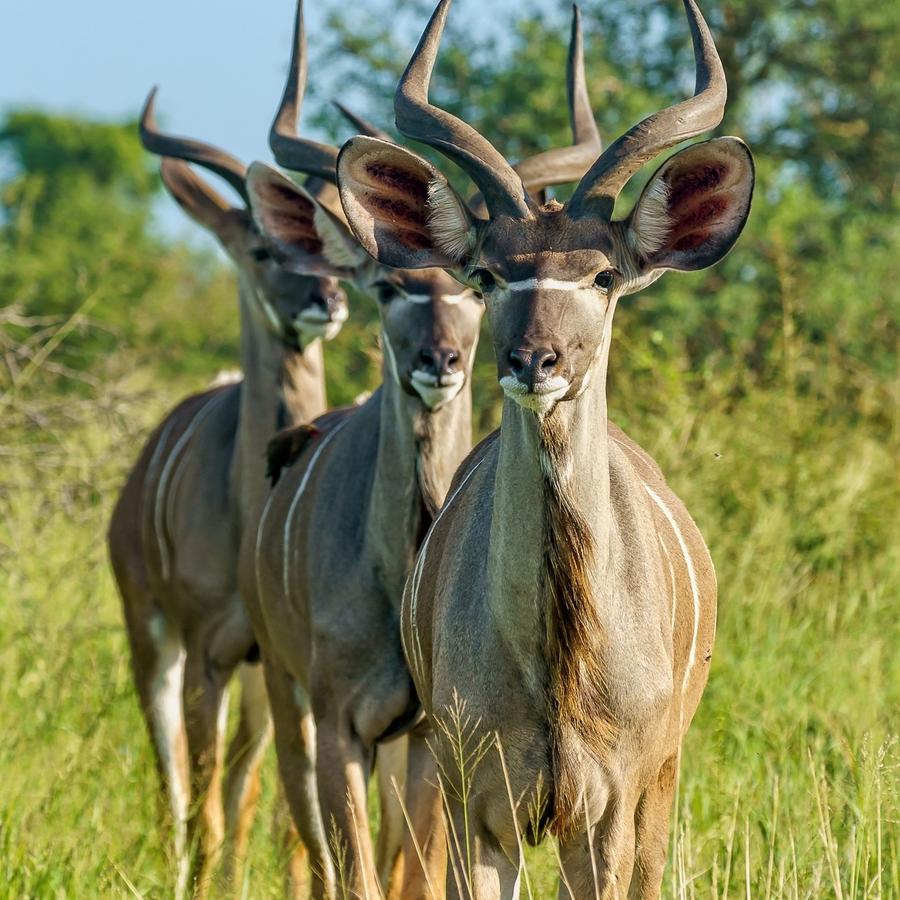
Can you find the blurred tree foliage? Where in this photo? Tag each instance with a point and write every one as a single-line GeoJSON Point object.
{"type": "Point", "coordinates": [811, 285]}
{"type": "Point", "coordinates": [76, 239]}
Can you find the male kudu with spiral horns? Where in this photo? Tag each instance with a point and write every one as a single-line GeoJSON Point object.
{"type": "Point", "coordinates": [564, 592]}
{"type": "Point", "coordinates": [175, 532]}
{"type": "Point", "coordinates": [337, 538]}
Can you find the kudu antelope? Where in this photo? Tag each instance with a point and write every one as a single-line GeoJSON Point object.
{"type": "Point", "coordinates": [175, 532]}
{"type": "Point", "coordinates": [336, 539]}
{"type": "Point", "coordinates": [563, 591]}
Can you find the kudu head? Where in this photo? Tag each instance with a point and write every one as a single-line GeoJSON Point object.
{"type": "Point", "coordinates": [551, 273]}
{"type": "Point", "coordinates": [430, 322]}
{"type": "Point", "coordinates": [298, 299]}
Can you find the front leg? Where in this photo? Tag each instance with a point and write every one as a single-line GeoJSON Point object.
{"type": "Point", "coordinates": [598, 862]}
{"type": "Point", "coordinates": [204, 698]}
{"type": "Point", "coordinates": [295, 743]}
{"type": "Point", "coordinates": [478, 866]}
{"type": "Point", "coordinates": [427, 841]}
{"type": "Point", "coordinates": [242, 767]}
{"type": "Point", "coordinates": [343, 762]}
{"type": "Point", "coordinates": [390, 768]}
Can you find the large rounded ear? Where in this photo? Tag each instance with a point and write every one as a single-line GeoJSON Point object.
{"type": "Point", "coordinates": [203, 204]}
{"type": "Point", "coordinates": [303, 234]}
{"type": "Point", "coordinates": [693, 208]}
{"type": "Point", "coordinates": [401, 208]}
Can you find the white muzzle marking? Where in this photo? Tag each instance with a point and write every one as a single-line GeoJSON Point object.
{"type": "Point", "coordinates": [542, 399]}
{"type": "Point", "coordinates": [315, 323]}
{"type": "Point", "coordinates": [436, 391]}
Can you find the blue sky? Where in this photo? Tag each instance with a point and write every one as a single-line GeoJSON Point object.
{"type": "Point", "coordinates": [219, 63]}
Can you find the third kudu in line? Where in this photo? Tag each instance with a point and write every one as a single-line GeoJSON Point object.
{"type": "Point", "coordinates": [175, 532]}
{"type": "Point", "coordinates": [337, 538]}
{"type": "Point", "coordinates": [564, 592]}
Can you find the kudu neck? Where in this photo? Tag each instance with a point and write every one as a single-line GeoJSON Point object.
{"type": "Point", "coordinates": [418, 452]}
{"type": "Point", "coordinates": [281, 387]}
{"type": "Point", "coordinates": [545, 466]}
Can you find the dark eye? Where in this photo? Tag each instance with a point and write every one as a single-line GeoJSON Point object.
{"type": "Point", "coordinates": [386, 291]}
{"type": "Point", "coordinates": [484, 279]}
{"type": "Point", "coordinates": [604, 279]}
{"type": "Point", "coordinates": [260, 254]}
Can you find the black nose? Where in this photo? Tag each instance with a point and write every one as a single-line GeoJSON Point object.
{"type": "Point", "coordinates": [532, 366]}
{"type": "Point", "coordinates": [439, 360]}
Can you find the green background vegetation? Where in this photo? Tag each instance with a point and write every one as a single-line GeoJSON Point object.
{"type": "Point", "coordinates": [766, 388]}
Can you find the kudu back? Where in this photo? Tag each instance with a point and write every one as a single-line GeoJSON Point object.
{"type": "Point", "coordinates": [175, 531]}
{"type": "Point", "coordinates": [563, 595]}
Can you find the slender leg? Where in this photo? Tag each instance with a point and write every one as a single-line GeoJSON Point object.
{"type": "Point", "coordinates": [652, 833]}
{"type": "Point", "coordinates": [293, 850]}
{"type": "Point", "coordinates": [243, 762]}
{"type": "Point", "coordinates": [205, 716]}
{"type": "Point", "coordinates": [599, 865]}
{"type": "Point", "coordinates": [343, 762]}
{"type": "Point", "coordinates": [295, 742]}
{"type": "Point", "coordinates": [158, 666]}
{"type": "Point", "coordinates": [479, 869]}
{"type": "Point", "coordinates": [428, 836]}
{"type": "Point", "coordinates": [390, 767]}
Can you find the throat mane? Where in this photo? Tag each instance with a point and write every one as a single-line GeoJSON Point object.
{"type": "Point", "coordinates": [573, 633]}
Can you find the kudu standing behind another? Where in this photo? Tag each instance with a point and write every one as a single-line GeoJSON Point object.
{"type": "Point", "coordinates": [336, 539]}
{"type": "Point", "coordinates": [564, 591]}
{"type": "Point", "coordinates": [175, 532]}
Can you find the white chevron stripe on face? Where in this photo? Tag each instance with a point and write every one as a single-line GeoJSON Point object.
{"type": "Point", "coordinates": [545, 284]}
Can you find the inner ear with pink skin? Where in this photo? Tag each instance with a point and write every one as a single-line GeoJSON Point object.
{"type": "Point", "coordinates": [694, 207]}
{"type": "Point", "coordinates": [283, 210]}
{"type": "Point", "coordinates": [307, 236]}
{"type": "Point", "coordinates": [402, 210]}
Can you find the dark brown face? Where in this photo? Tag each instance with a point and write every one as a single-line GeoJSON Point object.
{"type": "Point", "coordinates": [298, 307]}
{"type": "Point", "coordinates": [430, 324]}
{"type": "Point", "coordinates": [549, 310]}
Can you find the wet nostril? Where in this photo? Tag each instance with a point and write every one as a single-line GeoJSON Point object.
{"type": "Point", "coordinates": [452, 359]}
{"type": "Point", "coordinates": [427, 357]}
{"type": "Point", "coordinates": [516, 362]}
{"type": "Point", "coordinates": [547, 360]}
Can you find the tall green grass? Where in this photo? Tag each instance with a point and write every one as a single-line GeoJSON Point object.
{"type": "Point", "coordinates": [789, 782]}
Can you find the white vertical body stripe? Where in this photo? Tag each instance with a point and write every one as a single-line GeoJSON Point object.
{"type": "Point", "coordinates": [417, 571]}
{"type": "Point", "coordinates": [167, 474]}
{"type": "Point", "coordinates": [695, 593]}
{"type": "Point", "coordinates": [296, 499]}
{"type": "Point", "coordinates": [665, 551]}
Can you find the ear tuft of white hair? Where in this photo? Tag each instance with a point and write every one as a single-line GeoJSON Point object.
{"type": "Point", "coordinates": [448, 221]}
{"type": "Point", "coordinates": [651, 224]}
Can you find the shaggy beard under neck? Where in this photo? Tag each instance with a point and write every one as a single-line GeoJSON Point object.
{"type": "Point", "coordinates": [574, 636]}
